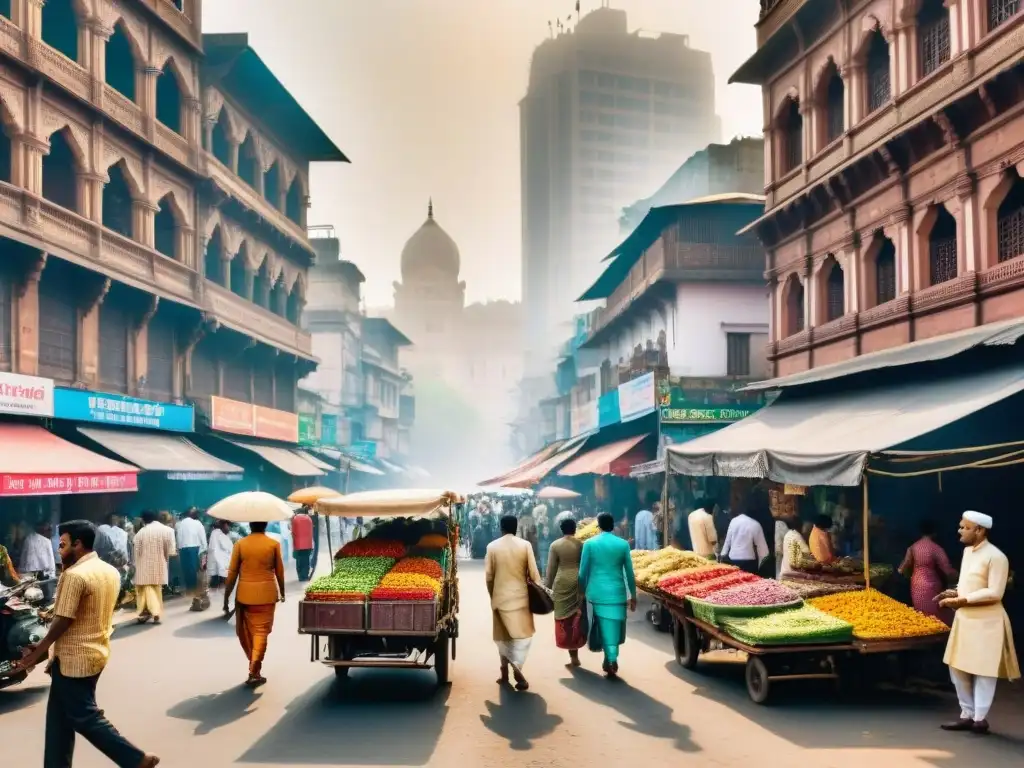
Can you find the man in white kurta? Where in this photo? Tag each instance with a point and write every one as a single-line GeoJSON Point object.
{"type": "Point", "coordinates": [154, 546]}
{"type": "Point", "coordinates": [980, 649]}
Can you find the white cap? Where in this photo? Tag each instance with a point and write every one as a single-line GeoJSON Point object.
{"type": "Point", "coordinates": [985, 521]}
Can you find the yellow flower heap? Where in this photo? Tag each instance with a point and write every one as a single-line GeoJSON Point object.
{"type": "Point", "coordinates": [588, 529]}
{"type": "Point", "coordinates": [650, 567]}
{"type": "Point", "coordinates": [875, 616]}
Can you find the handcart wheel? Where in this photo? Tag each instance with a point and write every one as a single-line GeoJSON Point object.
{"type": "Point", "coordinates": [441, 658]}
{"type": "Point", "coordinates": [341, 672]}
{"type": "Point", "coordinates": [454, 646]}
{"type": "Point", "coordinates": [686, 643]}
{"type": "Point", "coordinates": [758, 684]}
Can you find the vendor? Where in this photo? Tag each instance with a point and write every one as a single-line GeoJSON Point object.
{"type": "Point", "coordinates": [980, 649]}
{"type": "Point", "coordinates": [821, 541]}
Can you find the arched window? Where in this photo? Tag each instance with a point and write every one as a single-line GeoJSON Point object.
{"type": "Point", "coordinates": [885, 273]}
{"type": "Point", "coordinates": [117, 202]}
{"type": "Point", "coordinates": [121, 62]}
{"type": "Point", "coordinates": [932, 35]}
{"type": "Point", "coordinates": [278, 297]}
{"type": "Point", "coordinates": [272, 185]}
{"type": "Point", "coordinates": [942, 258]}
{"type": "Point", "coordinates": [215, 258]}
{"type": "Point", "coordinates": [221, 148]}
{"type": "Point", "coordinates": [168, 98]}
{"type": "Point", "coordinates": [165, 227]}
{"type": "Point", "coordinates": [835, 105]}
{"type": "Point", "coordinates": [293, 202]}
{"type": "Point", "coordinates": [1010, 223]}
{"type": "Point", "coordinates": [239, 272]}
{"type": "Point", "coordinates": [791, 124]}
{"type": "Point", "coordinates": [60, 27]}
{"type": "Point", "coordinates": [835, 294]}
{"type": "Point", "coordinates": [60, 172]}
{"type": "Point", "coordinates": [5, 149]}
{"type": "Point", "coordinates": [261, 285]}
{"type": "Point", "coordinates": [293, 310]}
{"type": "Point", "coordinates": [794, 306]}
{"type": "Point", "coordinates": [1001, 11]}
{"type": "Point", "coordinates": [878, 73]}
{"type": "Point", "coordinates": [249, 161]}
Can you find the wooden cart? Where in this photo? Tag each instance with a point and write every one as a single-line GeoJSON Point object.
{"type": "Point", "coordinates": [389, 633]}
{"type": "Point", "coordinates": [767, 665]}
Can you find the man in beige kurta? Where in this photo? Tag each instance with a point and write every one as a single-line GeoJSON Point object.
{"type": "Point", "coordinates": [154, 546]}
{"type": "Point", "coordinates": [980, 648]}
{"type": "Point", "coordinates": [508, 564]}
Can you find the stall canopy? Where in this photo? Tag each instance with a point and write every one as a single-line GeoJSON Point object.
{"type": "Point", "coordinates": [544, 453]}
{"type": "Point", "coordinates": [530, 476]}
{"type": "Point", "coordinates": [181, 459]}
{"type": "Point", "coordinates": [600, 461]}
{"type": "Point", "coordinates": [35, 462]}
{"type": "Point", "coordinates": [285, 459]}
{"type": "Point", "coordinates": [315, 461]}
{"type": "Point", "coordinates": [347, 462]}
{"type": "Point", "coordinates": [827, 439]}
{"type": "Point", "coordinates": [400, 503]}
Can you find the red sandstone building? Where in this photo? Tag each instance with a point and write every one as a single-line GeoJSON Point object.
{"type": "Point", "coordinates": [894, 148]}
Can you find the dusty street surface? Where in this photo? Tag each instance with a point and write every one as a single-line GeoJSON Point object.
{"type": "Point", "coordinates": [175, 690]}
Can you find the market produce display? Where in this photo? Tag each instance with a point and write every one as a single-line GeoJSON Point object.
{"type": "Point", "coordinates": [587, 529]}
{"type": "Point", "coordinates": [642, 557]}
{"type": "Point", "coordinates": [421, 565]}
{"type": "Point", "coordinates": [763, 592]}
{"type": "Point", "coordinates": [694, 576]}
{"type": "Point", "coordinates": [410, 581]}
{"type": "Point", "coordinates": [707, 588]}
{"type": "Point", "coordinates": [664, 561]}
{"type": "Point", "coordinates": [399, 593]}
{"type": "Point", "coordinates": [369, 547]}
{"type": "Point", "coordinates": [807, 588]}
{"type": "Point", "coordinates": [351, 576]}
{"type": "Point", "coordinates": [875, 616]}
{"type": "Point", "coordinates": [791, 627]}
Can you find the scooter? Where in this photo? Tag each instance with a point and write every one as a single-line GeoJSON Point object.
{"type": "Point", "coordinates": [20, 627]}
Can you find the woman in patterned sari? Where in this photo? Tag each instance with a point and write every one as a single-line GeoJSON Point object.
{"type": "Point", "coordinates": [8, 576]}
{"type": "Point", "coordinates": [563, 579]}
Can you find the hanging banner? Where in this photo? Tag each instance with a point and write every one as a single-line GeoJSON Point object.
{"type": "Point", "coordinates": [636, 397]}
{"type": "Point", "coordinates": [250, 420]}
{"type": "Point", "coordinates": [584, 419]}
{"type": "Point", "coordinates": [26, 395]}
{"type": "Point", "coordinates": [121, 410]}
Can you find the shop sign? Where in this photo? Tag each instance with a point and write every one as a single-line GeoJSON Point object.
{"type": "Point", "coordinates": [364, 449]}
{"type": "Point", "coordinates": [26, 395]}
{"type": "Point", "coordinates": [328, 429]}
{"type": "Point", "coordinates": [584, 419]}
{"type": "Point", "coordinates": [648, 468]}
{"type": "Point", "coordinates": [52, 485]}
{"type": "Point", "coordinates": [204, 476]}
{"type": "Point", "coordinates": [636, 397]}
{"type": "Point", "coordinates": [608, 409]}
{"type": "Point", "coordinates": [682, 413]}
{"type": "Point", "coordinates": [121, 411]}
{"type": "Point", "coordinates": [307, 429]}
{"type": "Point", "coordinates": [253, 420]}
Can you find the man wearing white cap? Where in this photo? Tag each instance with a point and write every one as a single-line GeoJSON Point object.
{"type": "Point", "coordinates": [980, 648]}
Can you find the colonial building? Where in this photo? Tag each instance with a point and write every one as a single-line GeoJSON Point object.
{"type": "Point", "coordinates": [383, 385]}
{"type": "Point", "coordinates": [152, 206]}
{"type": "Point", "coordinates": [894, 146]}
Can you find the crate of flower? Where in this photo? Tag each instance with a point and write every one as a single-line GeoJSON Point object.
{"type": "Point", "coordinates": [417, 615]}
{"type": "Point", "coordinates": [755, 598]}
{"type": "Point", "coordinates": [799, 626]}
{"type": "Point", "coordinates": [320, 617]}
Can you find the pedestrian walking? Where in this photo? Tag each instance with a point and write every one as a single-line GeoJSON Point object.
{"type": "Point", "coordinates": [154, 547]}
{"type": "Point", "coordinates": [980, 648]}
{"type": "Point", "coordinates": [302, 540]}
{"type": "Point", "coordinates": [258, 570]}
{"type": "Point", "coordinates": [745, 545]}
{"type": "Point", "coordinates": [218, 553]}
{"type": "Point", "coordinates": [508, 565]}
{"type": "Point", "coordinates": [191, 541]}
{"type": "Point", "coordinates": [563, 580]}
{"type": "Point", "coordinates": [80, 637]}
{"type": "Point", "coordinates": [606, 576]}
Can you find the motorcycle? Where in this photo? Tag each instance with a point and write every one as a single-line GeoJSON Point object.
{"type": "Point", "coordinates": [21, 625]}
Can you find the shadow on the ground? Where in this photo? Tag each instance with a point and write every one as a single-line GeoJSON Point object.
{"type": "Point", "coordinates": [215, 710]}
{"type": "Point", "coordinates": [520, 717]}
{"type": "Point", "coordinates": [805, 713]}
{"type": "Point", "coordinates": [23, 696]}
{"type": "Point", "coordinates": [644, 714]}
{"type": "Point", "coordinates": [212, 625]}
{"type": "Point", "coordinates": [376, 717]}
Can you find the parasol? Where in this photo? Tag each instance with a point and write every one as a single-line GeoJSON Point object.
{"type": "Point", "coordinates": [251, 507]}
{"type": "Point", "coordinates": [553, 492]}
{"type": "Point", "coordinates": [310, 496]}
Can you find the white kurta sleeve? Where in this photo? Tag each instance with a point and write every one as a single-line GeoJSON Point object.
{"type": "Point", "coordinates": [998, 573]}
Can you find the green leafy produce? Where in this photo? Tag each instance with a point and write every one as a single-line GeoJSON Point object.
{"type": "Point", "coordinates": [353, 574]}
{"type": "Point", "coordinates": [796, 626]}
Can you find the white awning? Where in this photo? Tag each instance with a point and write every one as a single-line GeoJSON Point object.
{"type": "Point", "coordinates": [827, 439]}
{"type": "Point", "coordinates": [285, 459]}
{"type": "Point", "coordinates": [179, 457]}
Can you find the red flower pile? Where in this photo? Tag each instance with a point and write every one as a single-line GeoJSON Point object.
{"type": "Point", "coordinates": [403, 593]}
{"type": "Point", "coordinates": [701, 591]}
{"type": "Point", "coordinates": [373, 548]}
{"type": "Point", "coordinates": [695, 576]}
{"type": "Point", "coordinates": [421, 565]}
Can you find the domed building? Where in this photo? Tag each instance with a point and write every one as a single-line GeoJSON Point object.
{"type": "Point", "coordinates": [474, 352]}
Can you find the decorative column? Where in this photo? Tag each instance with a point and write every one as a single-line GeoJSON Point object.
{"type": "Point", "coordinates": [807, 116]}
{"type": "Point", "coordinates": [27, 153]}
{"type": "Point", "coordinates": [143, 222]}
{"type": "Point", "coordinates": [968, 226]}
{"type": "Point", "coordinates": [90, 195]}
{"type": "Point", "coordinates": [184, 245]}
{"type": "Point", "coordinates": [903, 55]}
{"type": "Point", "coordinates": [904, 256]}
{"type": "Point", "coordinates": [139, 354]}
{"type": "Point", "coordinates": [87, 368]}
{"type": "Point", "coordinates": [191, 117]}
{"type": "Point", "coordinates": [26, 318]}
{"type": "Point", "coordinates": [810, 293]}
{"type": "Point", "coordinates": [145, 88]}
{"type": "Point", "coordinates": [98, 37]}
{"type": "Point", "coordinates": [29, 16]}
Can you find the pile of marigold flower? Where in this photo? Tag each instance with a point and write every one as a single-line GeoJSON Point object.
{"type": "Point", "coordinates": [875, 616]}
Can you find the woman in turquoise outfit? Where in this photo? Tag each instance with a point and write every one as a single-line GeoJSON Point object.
{"type": "Point", "coordinates": [606, 578]}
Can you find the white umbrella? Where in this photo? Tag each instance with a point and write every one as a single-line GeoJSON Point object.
{"type": "Point", "coordinates": [553, 492]}
{"type": "Point", "coordinates": [251, 507]}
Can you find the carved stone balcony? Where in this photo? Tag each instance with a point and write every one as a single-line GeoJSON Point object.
{"type": "Point", "coordinates": [243, 316]}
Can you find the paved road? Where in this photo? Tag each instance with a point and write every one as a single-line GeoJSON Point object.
{"type": "Point", "coordinates": [175, 690]}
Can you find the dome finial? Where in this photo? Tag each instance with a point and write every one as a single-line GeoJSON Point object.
{"type": "Point", "coordinates": [430, 208]}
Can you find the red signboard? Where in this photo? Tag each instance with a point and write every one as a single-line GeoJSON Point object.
{"type": "Point", "coordinates": [253, 420]}
{"type": "Point", "coordinates": [47, 485]}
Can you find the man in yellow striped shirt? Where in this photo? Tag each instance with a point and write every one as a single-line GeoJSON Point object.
{"type": "Point", "coordinates": [80, 640]}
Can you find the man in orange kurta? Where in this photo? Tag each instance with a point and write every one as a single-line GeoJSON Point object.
{"type": "Point", "coordinates": [258, 569]}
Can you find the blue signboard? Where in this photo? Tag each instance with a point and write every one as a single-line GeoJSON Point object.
{"type": "Point", "coordinates": [608, 409]}
{"type": "Point", "coordinates": [121, 410]}
{"type": "Point", "coordinates": [364, 449]}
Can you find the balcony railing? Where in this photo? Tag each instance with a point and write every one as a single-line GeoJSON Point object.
{"type": "Point", "coordinates": [245, 317]}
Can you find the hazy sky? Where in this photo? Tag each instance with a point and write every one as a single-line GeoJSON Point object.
{"type": "Point", "coordinates": [422, 96]}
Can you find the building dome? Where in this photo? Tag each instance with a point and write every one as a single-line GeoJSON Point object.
{"type": "Point", "coordinates": [430, 252]}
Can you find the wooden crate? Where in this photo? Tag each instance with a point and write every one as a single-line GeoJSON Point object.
{"type": "Point", "coordinates": [331, 617]}
{"type": "Point", "coordinates": [403, 616]}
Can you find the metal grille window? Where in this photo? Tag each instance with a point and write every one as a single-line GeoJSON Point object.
{"type": "Point", "coordinates": [58, 328]}
{"type": "Point", "coordinates": [6, 308]}
{"type": "Point", "coordinates": [1001, 11]}
{"type": "Point", "coordinates": [236, 380]}
{"type": "Point", "coordinates": [835, 294]}
{"type": "Point", "coordinates": [204, 370]}
{"type": "Point", "coordinates": [835, 106]}
{"type": "Point", "coordinates": [115, 324]}
{"type": "Point", "coordinates": [942, 261]}
{"type": "Point", "coordinates": [737, 354]}
{"type": "Point", "coordinates": [263, 385]}
{"type": "Point", "coordinates": [792, 138]}
{"type": "Point", "coordinates": [160, 352]}
{"type": "Point", "coordinates": [285, 381]}
{"type": "Point", "coordinates": [933, 36]}
{"type": "Point", "coordinates": [1010, 225]}
{"type": "Point", "coordinates": [878, 73]}
{"type": "Point", "coordinates": [885, 273]}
